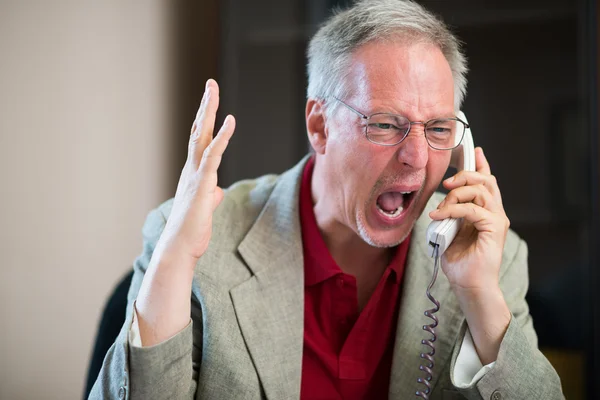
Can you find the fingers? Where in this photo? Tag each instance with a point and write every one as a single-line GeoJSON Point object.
{"type": "Point", "coordinates": [213, 154]}
{"type": "Point", "coordinates": [476, 194]}
{"type": "Point", "coordinates": [204, 125]}
{"type": "Point", "coordinates": [470, 178]}
{"type": "Point", "coordinates": [481, 162]}
{"type": "Point", "coordinates": [217, 197]}
{"type": "Point", "coordinates": [483, 220]}
{"type": "Point", "coordinates": [209, 113]}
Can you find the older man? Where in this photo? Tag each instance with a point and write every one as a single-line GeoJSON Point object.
{"type": "Point", "coordinates": [311, 284]}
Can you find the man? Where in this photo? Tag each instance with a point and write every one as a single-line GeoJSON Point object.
{"type": "Point", "coordinates": [311, 284]}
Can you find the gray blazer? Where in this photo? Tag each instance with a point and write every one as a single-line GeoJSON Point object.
{"type": "Point", "coordinates": [246, 338]}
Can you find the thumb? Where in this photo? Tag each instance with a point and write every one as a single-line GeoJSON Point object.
{"type": "Point", "coordinates": [217, 197]}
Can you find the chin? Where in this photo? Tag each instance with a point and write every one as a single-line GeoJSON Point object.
{"type": "Point", "coordinates": [382, 238]}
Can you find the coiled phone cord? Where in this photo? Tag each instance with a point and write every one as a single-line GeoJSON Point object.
{"type": "Point", "coordinates": [431, 329]}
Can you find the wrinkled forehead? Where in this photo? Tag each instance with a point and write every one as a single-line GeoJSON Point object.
{"type": "Point", "coordinates": [416, 76]}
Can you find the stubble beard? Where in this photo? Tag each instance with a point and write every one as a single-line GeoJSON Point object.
{"type": "Point", "coordinates": [363, 232]}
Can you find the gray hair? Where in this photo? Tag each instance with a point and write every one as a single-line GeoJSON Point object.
{"type": "Point", "coordinates": [330, 50]}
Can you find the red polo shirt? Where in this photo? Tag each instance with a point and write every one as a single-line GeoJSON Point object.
{"type": "Point", "coordinates": [347, 353]}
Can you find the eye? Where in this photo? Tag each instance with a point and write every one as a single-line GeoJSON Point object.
{"type": "Point", "coordinates": [383, 126]}
{"type": "Point", "coordinates": [437, 129]}
{"type": "Point", "coordinates": [441, 127]}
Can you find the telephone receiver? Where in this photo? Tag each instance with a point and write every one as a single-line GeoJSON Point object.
{"type": "Point", "coordinates": [440, 234]}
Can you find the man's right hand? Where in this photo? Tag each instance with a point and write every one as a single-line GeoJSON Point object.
{"type": "Point", "coordinates": [163, 304]}
{"type": "Point", "coordinates": [189, 226]}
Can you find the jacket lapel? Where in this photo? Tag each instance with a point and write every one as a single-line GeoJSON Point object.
{"type": "Point", "coordinates": [270, 305]}
{"type": "Point", "coordinates": [413, 303]}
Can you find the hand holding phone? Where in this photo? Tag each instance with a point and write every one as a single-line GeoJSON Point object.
{"type": "Point", "coordinates": [476, 243]}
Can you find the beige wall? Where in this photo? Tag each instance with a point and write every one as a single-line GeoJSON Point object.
{"type": "Point", "coordinates": [83, 157]}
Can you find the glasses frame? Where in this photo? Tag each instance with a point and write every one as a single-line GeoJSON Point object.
{"type": "Point", "coordinates": [366, 118]}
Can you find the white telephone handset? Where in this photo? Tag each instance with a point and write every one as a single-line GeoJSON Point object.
{"type": "Point", "coordinates": [441, 233]}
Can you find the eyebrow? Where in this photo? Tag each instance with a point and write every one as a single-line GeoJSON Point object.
{"type": "Point", "coordinates": [441, 116]}
{"type": "Point", "coordinates": [390, 110]}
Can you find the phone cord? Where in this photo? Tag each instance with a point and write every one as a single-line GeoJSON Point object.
{"type": "Point", "coordinates": [431, 329]}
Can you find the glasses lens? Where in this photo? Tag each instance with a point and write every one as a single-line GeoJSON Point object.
{"type": "Point", "coordinates": [444, 134]}
{"type": "Point", "coordinates": [387, 128]}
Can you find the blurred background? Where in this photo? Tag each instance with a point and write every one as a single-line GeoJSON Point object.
{"type": "Point", "coordinates": [96, 104]}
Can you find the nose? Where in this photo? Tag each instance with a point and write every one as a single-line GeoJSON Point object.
{"type": "Point", "coordinates": [414, 150]}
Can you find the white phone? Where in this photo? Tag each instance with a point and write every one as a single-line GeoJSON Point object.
{"type": "Point", "coordinates": [440, 234]}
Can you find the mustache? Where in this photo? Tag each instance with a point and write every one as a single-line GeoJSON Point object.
{"type": "Point", "coordinates": [393, 180]}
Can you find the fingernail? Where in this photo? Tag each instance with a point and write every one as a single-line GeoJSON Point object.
{"type": "Point", "coordinates": [449, 180]}
{"type": "Point", "coordinates": [441, 204]}
{"type": "Point", "coordinates": [206, 86]}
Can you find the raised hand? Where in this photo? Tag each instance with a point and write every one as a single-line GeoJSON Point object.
{"type": "Point", "coordinates": [189, 226]}
{"type": "Point", "coordinates": [163, 303]}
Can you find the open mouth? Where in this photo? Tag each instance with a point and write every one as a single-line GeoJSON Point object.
{"type": "Point", "coordinates": [392, 204]}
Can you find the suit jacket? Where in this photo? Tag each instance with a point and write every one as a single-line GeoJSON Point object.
{"type": "Point", "coordinates": [246, 336]}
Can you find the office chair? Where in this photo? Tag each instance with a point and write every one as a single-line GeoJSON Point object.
{"type": "Point", "coordinates": [113, 318]}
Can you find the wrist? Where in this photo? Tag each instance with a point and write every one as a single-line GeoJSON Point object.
{"type": "Point", "coordinates": [168, 255]}
{"type": "Point", "coordinates": [163, 303]}
{"type": "Point", "coordinates": [491, 292]}
{"type": "Point", "coordinates": [483, 305]}
{"type": "Point", "coordinates": [488, 317]}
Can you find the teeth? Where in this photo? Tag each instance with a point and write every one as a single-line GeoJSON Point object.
{"type": "Point", "coordinates": [392, 214]}
{"type": "Point", "coordinates": [406, 192]}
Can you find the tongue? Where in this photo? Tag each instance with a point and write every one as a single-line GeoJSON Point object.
{"type": "Point", "coordinates": [390, 201]}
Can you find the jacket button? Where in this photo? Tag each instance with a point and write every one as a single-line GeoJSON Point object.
{"type": "Point", "coordinates": [122, 391]}
{"type": "Point", "coordinates": [496, 395]}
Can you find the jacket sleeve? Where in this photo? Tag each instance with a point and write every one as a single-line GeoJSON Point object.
{"type": "Point", "coordinates": [521, 371]}
{"type": "Point", "coordinates": [163, 371]}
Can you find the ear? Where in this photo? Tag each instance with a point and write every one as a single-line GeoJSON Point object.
{"type": "Point", "coordinates": [315, 125]}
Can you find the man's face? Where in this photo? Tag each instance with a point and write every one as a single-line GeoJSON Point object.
{"type": "Point", "coordinates": [365, 181]}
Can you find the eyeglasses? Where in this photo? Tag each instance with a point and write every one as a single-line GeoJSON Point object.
{"type": "Point", "coordinates": [388, 129]}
